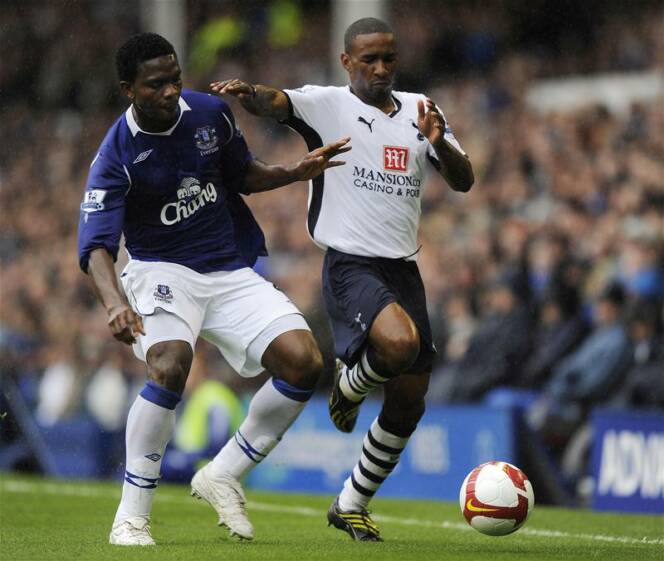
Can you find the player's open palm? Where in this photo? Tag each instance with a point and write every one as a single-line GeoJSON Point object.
{"type": "Point", "coordinates": [317, 161]}
{"type": "Point", "coordinates": [430, 122]}
{"type": "Point", "coordinates": [125, 324]}
{"type": "Point", "coordinates": [235, 87]}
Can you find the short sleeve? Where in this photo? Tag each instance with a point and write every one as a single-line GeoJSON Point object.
{"type": "Point", "coordinates": [235, 155]}
{"type": "Point", "coordinates": [311, 104]}
{"type": "Point", "coordinates": [102, 209]}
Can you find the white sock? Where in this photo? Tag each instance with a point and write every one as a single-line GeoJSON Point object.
{"type": "Point", "coordinates": [272, 410]}
{"type": "Point", "coordinates": [149, 428]}
{"type": "Point", "coordinates": [381, 451]}
{"type": "Point", "coordinates": [355, 383]}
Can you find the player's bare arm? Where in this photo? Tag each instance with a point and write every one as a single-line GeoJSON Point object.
{"type": "Point", "coordinates": [265, 177]}
{"type": "Point", "coordinates": [259, 100]}
{"type": "Point", "coordinates": [123, 322]}
{"type": "Point", "coordinates": [455, 167]}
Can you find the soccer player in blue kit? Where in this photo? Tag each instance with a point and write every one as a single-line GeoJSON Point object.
{"type": "Point", "coordinates": [168, 175]}
{"type": "Point", "coordinates": [366, 215]}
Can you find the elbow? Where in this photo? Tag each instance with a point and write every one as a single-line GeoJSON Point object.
{"type": "Point", "coordinates": [249, 184]}
{"type": "Point", "coordinates": [246, 189]}
{"type": "Point", "coordinates": [463, 185]}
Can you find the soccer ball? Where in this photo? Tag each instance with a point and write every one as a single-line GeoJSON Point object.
{"type": "Point", "coordinates": [496, 498]}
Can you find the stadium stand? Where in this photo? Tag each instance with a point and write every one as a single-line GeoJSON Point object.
{"type": "Point", "coordinates": [567, 203]}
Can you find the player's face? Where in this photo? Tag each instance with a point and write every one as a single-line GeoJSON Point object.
{"type": "Point", "coordinates": [371, 65]}
{"type": "Point", "coordinates": [156, 90]}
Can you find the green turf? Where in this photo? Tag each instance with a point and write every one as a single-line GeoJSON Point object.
{"type": "Point", "coordinates": [44, 520]}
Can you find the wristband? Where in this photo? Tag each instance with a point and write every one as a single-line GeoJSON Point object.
{"type": "Point", "coordinates": [253, 91]}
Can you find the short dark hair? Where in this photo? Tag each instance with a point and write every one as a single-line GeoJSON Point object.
{"type": "Point", "coordinates": [364, 26]}
{"type": "Point", "coordinates": [614, 293]}
{"type": "Point", "coordinates": [137, 49]}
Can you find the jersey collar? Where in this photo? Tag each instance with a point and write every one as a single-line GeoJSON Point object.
{"type": "Point", "coordinates": [397, 103]}
{"type": "Point", "coordinates": [135, 129]}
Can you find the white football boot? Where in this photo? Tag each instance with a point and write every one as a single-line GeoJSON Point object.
{"type": "Point", "coordinates": [132, 531]}
{"type": "Point", "coordinates": [226, 496]}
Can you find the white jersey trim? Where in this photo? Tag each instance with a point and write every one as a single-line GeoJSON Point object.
{"type": "Point", "coordinates": [135, 129]}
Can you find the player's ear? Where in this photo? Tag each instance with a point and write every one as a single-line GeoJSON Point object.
{"type": "Point", "coordinates": [127, 90]}
{"type": "Point", "coordinates": [345, 61]}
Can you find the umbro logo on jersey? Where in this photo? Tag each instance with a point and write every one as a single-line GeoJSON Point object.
{"type": "Point", "coordinates": [367, 123]}
{"type": "Point", "coordinates": [143, 156]}
{"type": "Point", "coordinates": [395, 158]}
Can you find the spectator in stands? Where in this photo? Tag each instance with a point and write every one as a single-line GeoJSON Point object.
{"type": "Point", "coordinates": [643, 387]}
{"type": "Point", "coordinates": [559, 330]}
{"type": "Point", "coordinates": [457, 324]}
{"type": "Point", "coordinates": [547, 257]}
{"type": "Point", "coordinates": [640, 263]}
{"type": "Point", "coordinates": [588, 375]}
{"type": "Point", "coordinates": [498, 347]}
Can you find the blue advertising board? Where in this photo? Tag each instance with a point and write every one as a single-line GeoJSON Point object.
{"type": "Point", "coordinates": [628, 461]}
{"type": "Point", "coordinates": [314, 457]}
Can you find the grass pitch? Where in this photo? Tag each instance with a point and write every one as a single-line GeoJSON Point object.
{"type": "Point", "coordinates": [45, 520]}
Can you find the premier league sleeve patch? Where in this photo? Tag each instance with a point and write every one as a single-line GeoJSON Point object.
{"type": "Point", "coordinates": [93, 201]}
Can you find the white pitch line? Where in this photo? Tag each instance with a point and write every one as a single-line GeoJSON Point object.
{"type": "Point", "coordinates": [85, 491]}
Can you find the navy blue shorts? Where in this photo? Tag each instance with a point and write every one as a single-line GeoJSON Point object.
{"type": "Point", "coordinates": [357, 288]}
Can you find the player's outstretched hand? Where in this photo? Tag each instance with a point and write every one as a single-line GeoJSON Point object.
{"type": "Point", "coordinates": [125, 324]}
{"type": "Point", "coordinates": [235, 87]}
{"type": "Point", "coordinates": [431, 123]}
{"type": "Point", "coordinates": [317, 161]}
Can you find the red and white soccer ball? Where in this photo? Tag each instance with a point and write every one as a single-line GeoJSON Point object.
{"type": "Point", "coordinates": [496, 498]}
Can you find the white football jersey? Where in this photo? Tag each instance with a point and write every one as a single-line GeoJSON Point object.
{"type": "Point", "coordinates": [370, 206]}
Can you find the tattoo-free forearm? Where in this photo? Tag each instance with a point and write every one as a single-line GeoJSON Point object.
{"type": "Point", "coordinates": [265, 177]}
{"type": "Point", "coordinates": [104, 280]}
{"type": "Point", "coordinates": [455, 168]}
{"type": "Point", "coordinates": [266, 102]}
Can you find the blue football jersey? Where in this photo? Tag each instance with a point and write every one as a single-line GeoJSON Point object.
{"type": "Point", "coordinates": [176, 194]}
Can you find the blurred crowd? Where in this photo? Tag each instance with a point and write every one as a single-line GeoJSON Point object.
{"type": "Point", "coordinates": [547, 277]}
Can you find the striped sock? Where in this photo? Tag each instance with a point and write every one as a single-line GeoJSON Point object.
{"type": "Point", "coordinates": [150, 425]}
{"type": "Point", "coordinates": [357, 382]}
{"type": "Point", "coordinates": [380, 455]}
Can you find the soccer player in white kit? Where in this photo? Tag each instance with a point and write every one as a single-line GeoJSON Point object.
{"type": "Point", "coordinates": [366, 215]}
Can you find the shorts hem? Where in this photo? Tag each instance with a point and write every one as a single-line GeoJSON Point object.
{"type": "Point", "coordinates": [351, 357]}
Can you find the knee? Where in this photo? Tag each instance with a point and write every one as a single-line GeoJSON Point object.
{"type": "Point", "coordinates": [169, 364]}
{"type": "Point", "coordinates": [302, 364]}
{"type": "Point", "coordinates": [295, 358]}
{"type": "Point", "coordinates": [306, 364]}
{"type": "Point", "coordinates": [399, 352]}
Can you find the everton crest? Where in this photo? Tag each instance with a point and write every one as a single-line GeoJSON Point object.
{"type": "Point", "coordinates": [206, 140]}
{"type": "Point", "coordinates": [163, 293]}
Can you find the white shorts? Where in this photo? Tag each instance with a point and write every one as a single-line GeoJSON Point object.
{"type": "Point", "coordinates": [239, 311]}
